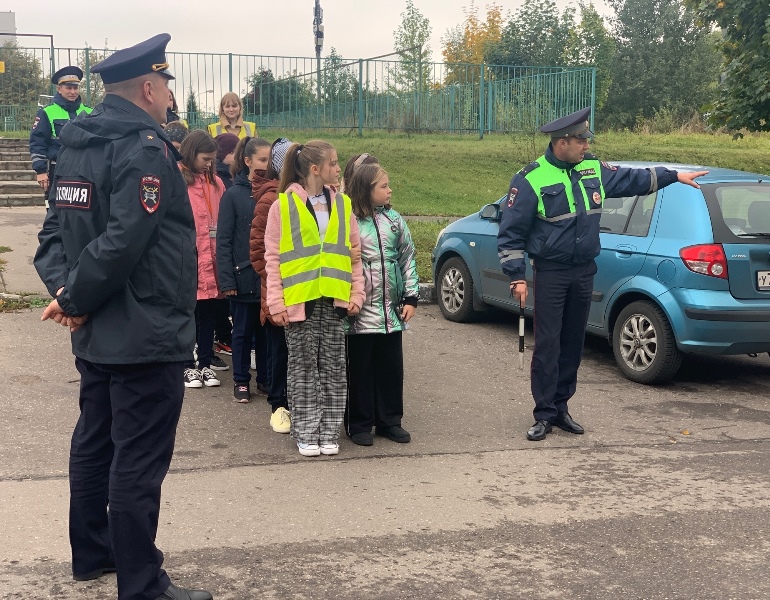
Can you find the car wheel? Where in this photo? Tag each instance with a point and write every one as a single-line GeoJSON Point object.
{"type": "Point", "coordinates": [644, 344]}
{"type": "Point", "coordinates": [454, 291]}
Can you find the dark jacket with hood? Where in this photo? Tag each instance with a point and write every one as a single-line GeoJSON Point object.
{"type": "Point", "coordinates": [44, 143]}
{"type": "Point", "coordinates": [236, 210]}
{"type": "Point", "coordinates": [119, 238]}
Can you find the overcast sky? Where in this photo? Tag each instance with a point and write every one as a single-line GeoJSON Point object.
{"type": "Point", "coordinates": [275, 27]}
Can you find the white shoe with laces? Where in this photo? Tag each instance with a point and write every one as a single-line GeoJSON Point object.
{"type": "Point", "coordinates": [192, 378]}
{"type": "Point", "coordinates": [308, 449]}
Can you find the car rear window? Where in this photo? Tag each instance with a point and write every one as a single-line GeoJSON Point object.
{"type": "Point", "coordinates": [740, 211]}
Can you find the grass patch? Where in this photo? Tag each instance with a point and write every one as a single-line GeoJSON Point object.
{"type": "Point", "coordinates": [9, 306]}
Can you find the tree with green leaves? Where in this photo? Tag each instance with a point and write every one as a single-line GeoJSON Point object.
{"type": "Point", "coordinates": [191, 108]}
{"type": "Point", "coordinates": [22, 82]}
{"type": "Point", "coordinates": [266, 94]}
{"type": "Point", "coordinates": [411, 42]}
{"type": "Point", "coordinates": [744, 96]}
{"type": "Point", "coordinates": [338, 82]}
{"type": "Point", "coordinates": [665, 62]}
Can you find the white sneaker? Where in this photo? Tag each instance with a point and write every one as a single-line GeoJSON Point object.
{"type": "Point", "coordinates": [308, 449]}
{"type": "Point", "coordinates": [209, 377]}
{"type": "Point", "coordinates": [280, 420]}
{"type": "Point", "coordinates": [192, 378]}
{"type": "Point", "coordinates": [253, 360]}
{"type": "Point", "coordinates": [329, 449]}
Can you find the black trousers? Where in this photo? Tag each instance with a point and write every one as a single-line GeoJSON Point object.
{"type": "Point", "coordinates": [375, 381]}
{"type": "Point", "coordinates": [120, 454]}
{"type": "Point", "coordinates": [277, 366]}
{"type": "Point", "coordinates": [248, 329]}
{"type": "Point", "coordinates": [222, 327]}
{"type": "Point", "coordinates": [562, 302]}
{"type": "Point", "coordinates": [205, 319]}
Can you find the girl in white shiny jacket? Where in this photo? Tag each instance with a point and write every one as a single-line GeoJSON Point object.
{"type": "Point", "coordinates": [375, 355]}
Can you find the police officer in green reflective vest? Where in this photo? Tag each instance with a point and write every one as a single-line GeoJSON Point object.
{"type": "Point", "coordinates": [552, 213]}
{"type": "Point", "coordinates": [44, 139]}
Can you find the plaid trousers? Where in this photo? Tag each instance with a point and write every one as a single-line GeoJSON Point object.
{"type": "Point", "coordinates": [317, 383]}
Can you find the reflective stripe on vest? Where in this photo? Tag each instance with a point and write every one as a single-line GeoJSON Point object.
{"type": "Point", "coordinates": [309, 268]}
{"type": "Point", "coordinates": [548, 174]}
{"type": "Point", "coordinates": [54, 112]}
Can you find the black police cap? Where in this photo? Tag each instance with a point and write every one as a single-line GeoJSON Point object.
{"type": "Point", "coordinates": [146, 57]}
{"type": "Point", "coordinates": [575, 124]}
{"type": "Point", "coordinates": [67, 75]}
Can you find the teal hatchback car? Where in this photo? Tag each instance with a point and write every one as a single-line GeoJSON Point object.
{"type": "Point", "coordinates": [682, 270]}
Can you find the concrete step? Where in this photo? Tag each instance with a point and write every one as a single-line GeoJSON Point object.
{"type": "Point", "coordinates": [18, 175]}
{"type": "Point", "coordinates": [16, 165]}
{"type": "Point", "coordinates": [14, 155]}
{"type": "Point", "coordinates": [22, 199]}
{"type": "Point", "coordinates": [19, 187]}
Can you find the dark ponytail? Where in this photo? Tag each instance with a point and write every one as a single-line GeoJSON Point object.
{"type": "Point", "coordinates": [247, 147]}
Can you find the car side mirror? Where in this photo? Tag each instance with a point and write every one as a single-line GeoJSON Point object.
{"type": "Point", "coordinates": [490, 212]}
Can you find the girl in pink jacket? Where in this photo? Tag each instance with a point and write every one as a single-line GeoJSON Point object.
{"type": "Point", "coordinates": [205, 190]}
{"type": "Point", "coordinates": [314, 335]}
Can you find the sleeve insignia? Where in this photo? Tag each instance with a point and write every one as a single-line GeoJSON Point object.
{"type": "Point", "coordinates": [149, 193]}
{"type": "Point", "coordinates": [512, 196]}
{"type": "Point", "coordinates": [37, 120]}
{"type": "Point", "coordinates": [609, 166]}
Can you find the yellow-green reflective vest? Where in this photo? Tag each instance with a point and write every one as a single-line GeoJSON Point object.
{"type": "Point", "coordinates": [549, 175]}
{"type": "Point", "coordinates": [310, 268]}
{"type": "Point", "coordinates": [55, 113]}
{"type": "Point", "coordinates": [248, 129]}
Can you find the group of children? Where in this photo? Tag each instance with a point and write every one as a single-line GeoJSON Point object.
{"type": "Point", "coordinates": [321, 279]}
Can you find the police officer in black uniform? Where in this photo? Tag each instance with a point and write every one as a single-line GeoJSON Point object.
{"type": "Point", "coordinates": [44, 138]}
{"type": "Point", "coordinates": [117, 252]}
{"type": "Point", "coordinates": [552, 213]}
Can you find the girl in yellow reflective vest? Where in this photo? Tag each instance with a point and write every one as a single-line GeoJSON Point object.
{"type": "Point", "coordinates": [314, 279]}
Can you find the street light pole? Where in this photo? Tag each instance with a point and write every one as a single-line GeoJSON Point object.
{"type": "Point", "coordinates": [318, 37]}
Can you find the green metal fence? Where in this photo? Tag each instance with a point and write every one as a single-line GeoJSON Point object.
{"type": "Point", "coordinates": [292, 92]}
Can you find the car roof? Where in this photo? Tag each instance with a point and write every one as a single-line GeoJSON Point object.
{"type": "Point", "coordinates": [715, 175]}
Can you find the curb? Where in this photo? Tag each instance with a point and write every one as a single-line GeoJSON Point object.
{"type": "Point", "coordinates": [18, 298]}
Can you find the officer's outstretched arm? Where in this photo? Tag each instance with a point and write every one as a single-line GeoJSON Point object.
{"type": "Point", "coordinates": [519, 209]}
{"type": "Point", "coordinates": [107, 262]}
{"type": "Point", "coordinates": [620, 182]}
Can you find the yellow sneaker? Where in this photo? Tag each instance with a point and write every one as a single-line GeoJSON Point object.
{"type": "Point", "coordinates": [280, 420]}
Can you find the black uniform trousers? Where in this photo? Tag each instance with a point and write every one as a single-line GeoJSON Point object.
{"type": "Point", "coordinates": [562, 303]}
{"type": "Point", "coordinates": [375, 381]}
{"type": "Point", "coordinates": [277, 366]}
{"type": "Point", "coordinates": [120, 454]}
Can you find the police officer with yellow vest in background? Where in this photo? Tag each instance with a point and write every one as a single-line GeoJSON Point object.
{"type": "Point", "coordinates": [552, 213]}
{"type": "Point", "coordinates": [44, 141]}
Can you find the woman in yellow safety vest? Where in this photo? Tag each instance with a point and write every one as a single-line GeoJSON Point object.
{"type": "Point", "coordinates": [314, 280]}
{"type": "Point", "coordinates": [231, 118]}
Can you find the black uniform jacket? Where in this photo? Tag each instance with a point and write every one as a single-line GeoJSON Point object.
{"type": "Point", "coordinates": [43, 146]}
{"type": "Point", "coordinates": [236, 211]}
{"type": "Point", "coordinates": [565, 243]}
{"type": "Point", "coordinates": [120, 239]}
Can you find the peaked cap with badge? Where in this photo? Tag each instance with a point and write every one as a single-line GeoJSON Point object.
{"type": "Point", "coordinates": [576, 125]}
{"type": "Point", "coordinates": [68, 74]}
{"type": "Point", "coordinates": [145, 57]}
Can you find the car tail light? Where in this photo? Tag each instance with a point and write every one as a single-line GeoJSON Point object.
{"type": "Point", "coordinates": [706, 259]}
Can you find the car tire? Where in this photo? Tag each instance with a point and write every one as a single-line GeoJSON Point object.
{"type": "Point", "coordinates": [644, 344]}
{"type": "Point", "coordinates": [454, 291]}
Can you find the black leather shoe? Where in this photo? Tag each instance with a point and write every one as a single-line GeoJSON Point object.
{"type": "Point", "coordinates": [539, 430]}
{"type": "Point", "coordinates": [177, 593]}
{"type": "Point", "coordinates": [567, 423]}
{"type": "Point", "coordinates": [95, 574]}
{"type": "Point", "coordinates": [395, 433]}
{"type": "Point", "coordinates": [363, 438]}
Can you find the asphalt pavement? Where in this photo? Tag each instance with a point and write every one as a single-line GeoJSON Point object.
{"type": "Point", "coordinates": [664, 497]}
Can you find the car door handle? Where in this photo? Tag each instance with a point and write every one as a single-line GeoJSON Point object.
{"type": "Point", "coordinates": [624, 251]}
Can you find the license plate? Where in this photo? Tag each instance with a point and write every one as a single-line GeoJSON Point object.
{"type": "Point", "coordinates": [763, 280]}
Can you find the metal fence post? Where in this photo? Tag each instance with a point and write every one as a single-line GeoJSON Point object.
{"type": "Point", "coordinates": [481, 103]}
{"type": "Point", "coordinates": [230, 72]}
{"type": "Point", "coordinates": [593, 96]}
{"type": "Point", "coordinates": [360, 97]}
{"type": "Point", "coordinates": [88, 75]}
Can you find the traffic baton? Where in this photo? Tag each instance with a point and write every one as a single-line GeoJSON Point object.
{"type": "Point", "coordinates": [521, 335]}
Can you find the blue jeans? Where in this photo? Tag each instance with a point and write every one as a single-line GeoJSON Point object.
{"type": "Point", "coordinates": [247, 330]}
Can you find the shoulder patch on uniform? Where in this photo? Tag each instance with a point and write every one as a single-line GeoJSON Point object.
{"type": "Point", "coordinates": [37, 120]}
{"type": "Point", "coordinates": [149, 193]}
{"type": "Point", "coordinates": [607, 165]}
{"type": "Point", "coordinates": [512, 193]}
{"type": "Point", "coordinates": [529, 168]}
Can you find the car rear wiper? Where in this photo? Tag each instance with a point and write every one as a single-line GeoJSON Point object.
{"type": "Point", "coordinates": [758, 234]}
